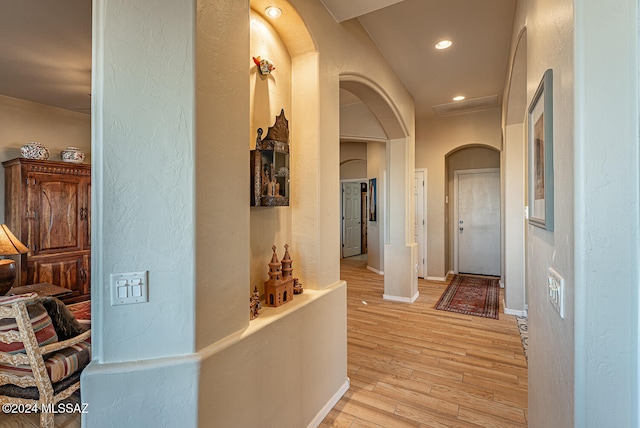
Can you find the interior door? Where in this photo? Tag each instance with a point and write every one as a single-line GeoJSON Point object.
{"type": "Point", "coordinates": [478, 225]}
{"type": "Point", "coordinates": [419, 225]}
{"type": "Point", "coordinates": [351, 219]}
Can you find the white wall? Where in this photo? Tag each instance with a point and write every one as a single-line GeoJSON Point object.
{"type": "Point", "coordinates": [282, 370]}
{"type": "Point", "coordinates": [376, 166]}
{"type": "Point", "coordinates": [607, 221]}
{"type": "Point", "coordinates": [514, 170]}
{"type": "Point", "coordinates": [515, 224]}
{"type": "Point", "coordinates": [143, 202]}
{"type": "Point", "coordinates": [353, 160]}
{"type": "Point", "coordinates": [400, 250]}
{"type": "Point", "coordinates": [551, 346]}
{"type": "Point", "coordinates": [357, 121]}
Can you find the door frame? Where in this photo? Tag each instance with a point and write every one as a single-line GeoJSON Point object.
{"type": "Point", "coordinates": [454, 228]}
{"type": "Point", "coordinates": [423, 250]}
{"type": "Point", "coordinates": [342, 181]}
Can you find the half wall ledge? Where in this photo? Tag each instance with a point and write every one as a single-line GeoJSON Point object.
{"type": "Point", "coordinates": [290, 363]}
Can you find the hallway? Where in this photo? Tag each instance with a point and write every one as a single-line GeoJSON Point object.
{"type": "Point", "coordinates": [413, 366]}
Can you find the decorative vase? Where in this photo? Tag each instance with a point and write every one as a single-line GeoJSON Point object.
{"type": "Point", "coordinates": [34, 150]}
{"type": "Point", "coordinates": [72, 154]}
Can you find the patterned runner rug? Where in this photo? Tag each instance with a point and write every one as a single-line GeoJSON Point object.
{"type": "Point", "coordinates": [523, 328]}
{"type": "Point", "coordinates": [471, 295]}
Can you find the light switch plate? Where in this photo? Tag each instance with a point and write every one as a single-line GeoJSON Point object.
{"type": "Point", "coordinates": [129, 288]}
{"type": "Point", "coordinates": [555, 295]}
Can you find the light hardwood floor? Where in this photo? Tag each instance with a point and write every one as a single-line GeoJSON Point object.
{"type": "Point", "coordinates": [413, 366]}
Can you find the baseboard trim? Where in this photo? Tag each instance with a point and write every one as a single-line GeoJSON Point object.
{"type": "Point", "coordinates": [440, 278]}
{"type": "Point", "coordinates": [379, 272]}
{"type": "Point", "coordinates": [515, 312]}
{"type": "Point", "coordinates": [317, 420]}
{"type": "Point", "coordinates": [401, 299]}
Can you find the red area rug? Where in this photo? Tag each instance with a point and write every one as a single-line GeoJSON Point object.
{"type": "Point", "coordinates": [82, 311]}
{"type": "Point", "coordinates": [471, 295]}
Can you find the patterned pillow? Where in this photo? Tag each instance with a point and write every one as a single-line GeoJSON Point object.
{"type": "Point", "coordinates": [42, 326]}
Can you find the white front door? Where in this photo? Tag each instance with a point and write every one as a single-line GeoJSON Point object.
{"type": "Point", "coordinates": [478, 228]}
{"type": "Point", "coordinates": [351, 219]}
{"type": "Point", "coordinates": [419, 226]}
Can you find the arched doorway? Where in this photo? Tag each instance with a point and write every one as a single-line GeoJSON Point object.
{"type": "Point", "coordinates": [473, 189]}
{"type": "Point", "coordinates": [394, 187]}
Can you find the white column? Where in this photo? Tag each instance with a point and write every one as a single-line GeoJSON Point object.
{"type": "Point", "coordinates": [400, 252]}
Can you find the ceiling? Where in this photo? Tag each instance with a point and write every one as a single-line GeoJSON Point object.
{"type": "Point", "coordinates": [46, 49]}
{"type": "Point", "coordinates": [406, 32]}
{"type": "Point", "coordinates": [46, 52]}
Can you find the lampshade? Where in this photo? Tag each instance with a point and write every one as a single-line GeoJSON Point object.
{"type": "Point", "coordinates": [9, 244]}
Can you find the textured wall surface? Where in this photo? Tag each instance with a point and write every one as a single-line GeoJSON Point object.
{"type": "Point", "coordinates": [143, 217]}
{"type": "Point", "coordinates": [551, 369]}
{"type": "Point", "coordinates": [145, 157]}
{"type": "Point", "coordinates": [269, 95]}
{"type": "Point", "coordinates": [607, 217]}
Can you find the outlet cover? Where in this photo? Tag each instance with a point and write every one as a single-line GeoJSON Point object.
{"type": "Point", "coordinates": [555, 293]}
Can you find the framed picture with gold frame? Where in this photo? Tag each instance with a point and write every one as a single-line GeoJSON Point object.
{"type": "Point", "coordinates": [540, 136]}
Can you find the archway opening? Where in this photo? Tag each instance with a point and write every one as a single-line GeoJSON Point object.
{"type": "Point", "coordinates": [472, 159]}
{"type": "Point", "coordinates": [514, 161]}
{"type": "Point", "coordinates": [393, 198]}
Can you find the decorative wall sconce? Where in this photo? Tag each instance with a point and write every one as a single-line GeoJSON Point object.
{"type": "Point", "coordinates": [263, 65]}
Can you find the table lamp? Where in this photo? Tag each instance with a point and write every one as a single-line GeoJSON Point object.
{"type": "Point", "coordinates": [9, 246]}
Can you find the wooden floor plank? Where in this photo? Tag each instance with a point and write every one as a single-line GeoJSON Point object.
{"type": "Point", "coordinates": [429, 368]}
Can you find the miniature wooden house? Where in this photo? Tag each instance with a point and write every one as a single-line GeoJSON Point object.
{"type": "Point", "coordinates": [278, 289]}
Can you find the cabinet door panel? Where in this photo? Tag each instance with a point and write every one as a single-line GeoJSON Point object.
{"type": "Point", "coordinates": [68, 272]}
{"type": "Point", "coordinates": [54, 224]}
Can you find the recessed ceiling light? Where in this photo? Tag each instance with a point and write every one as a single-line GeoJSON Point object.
{"type": "Point", "coordinates": [273, 12]}
{"type": "Point", "coordinates": [458, 98]}
{"type": "Point", "coordinates": [444, 44]}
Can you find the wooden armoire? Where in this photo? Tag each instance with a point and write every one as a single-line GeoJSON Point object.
{"type": "Point", "coordinates": [48, 207]}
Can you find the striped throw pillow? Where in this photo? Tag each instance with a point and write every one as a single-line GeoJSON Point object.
{"type": "Point", "coordinates": [42, 327]}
